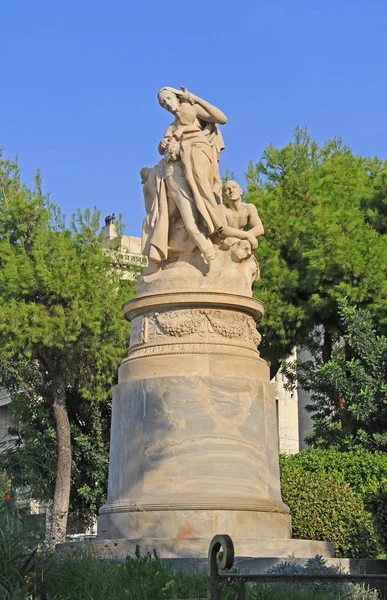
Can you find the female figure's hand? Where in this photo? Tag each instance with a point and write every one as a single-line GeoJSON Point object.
{"type": "Point", "coordinates": [163, 144]}
{"type": "Point", "coordinates": [185, 96]}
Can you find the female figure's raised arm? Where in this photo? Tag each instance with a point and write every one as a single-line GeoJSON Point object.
{"type": "Point", "coordinates": [204, 110]}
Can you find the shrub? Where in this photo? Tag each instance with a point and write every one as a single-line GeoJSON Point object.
{"type": "Point", "coordinates": [365, 472]}
{"type": "Point", "coordinates": [377, 504]}
{"type": "Point", "coordinates": [324, 507]}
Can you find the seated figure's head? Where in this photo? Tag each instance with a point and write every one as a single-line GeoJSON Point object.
{"type": "Point", "coordinates": [231, 191]}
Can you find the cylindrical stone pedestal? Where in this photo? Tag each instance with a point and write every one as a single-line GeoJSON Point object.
{"type": "Point", "coordinates": [194, 444]}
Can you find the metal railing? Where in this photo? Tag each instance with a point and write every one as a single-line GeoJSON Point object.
{"type": "Point", "coordinates": [221, 557]}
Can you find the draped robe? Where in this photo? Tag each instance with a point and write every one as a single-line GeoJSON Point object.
{"type": "Point", "coordinates": [197, 165]}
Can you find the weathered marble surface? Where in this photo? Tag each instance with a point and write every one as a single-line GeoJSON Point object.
{"type": "Point", "coordinates": [194, 447]}
{"type": "Point", "coordinates": [191, 456]}
{"type": "Point", "coordinates": [248, 549]}
{"type": "Point", "coordinates": [194, 442]}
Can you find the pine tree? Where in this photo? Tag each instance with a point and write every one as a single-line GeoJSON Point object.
{"type": "Point", "coordinates": [60, 312]}
{"type": "Point", "coordinates": [29, 449]}
{"type": "Point", "coordinates": [317, 204]}
{"type": "Point", "coordinates": [349, 391]}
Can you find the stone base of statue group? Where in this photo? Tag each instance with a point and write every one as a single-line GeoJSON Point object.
{"type": "Point", "coordinates": [194, 444]}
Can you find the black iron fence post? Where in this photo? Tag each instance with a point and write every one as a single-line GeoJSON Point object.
{"type": "Point", "coordinates": [220, 556]}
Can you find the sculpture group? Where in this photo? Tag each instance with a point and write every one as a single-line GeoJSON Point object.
{"type": "Point", "coordinates": [194, 443]}
{"type": "Point", "coordinates": [191, 219]}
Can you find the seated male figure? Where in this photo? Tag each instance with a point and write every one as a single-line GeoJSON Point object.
{"type": "Point", "coordinates": [239, 214]}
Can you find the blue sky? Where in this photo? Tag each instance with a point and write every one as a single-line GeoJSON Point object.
{"type": "Point", "coordinates": [79, 81]}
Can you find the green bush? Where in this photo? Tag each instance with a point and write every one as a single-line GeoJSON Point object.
{"type": "Point", "coordinates": [377, 504]}
{"type": "Point", "coordinates": [324, 507]}
{"type": "Point", "coordinates": [365, 472]}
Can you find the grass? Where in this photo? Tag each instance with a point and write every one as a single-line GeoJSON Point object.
{"type": "Point", "coordinates": [83, 577]}
{"type": "Point", "coordinates": [138, 578]}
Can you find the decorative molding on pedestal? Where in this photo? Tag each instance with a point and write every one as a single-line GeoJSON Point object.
{"type": "Point", "coordinates": [167, 504]}
{"type": "Point", "coordinates": [193, 299]}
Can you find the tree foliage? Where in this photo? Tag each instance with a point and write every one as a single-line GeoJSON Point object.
{"type": "Point", "coordinates": [60, 318]}
{"type": "Point", "coordinates": [31, 455]}
{"type": "Point", "coordinates": [322, 208]}
{"type": "Point", "coordinates": [349, 392]}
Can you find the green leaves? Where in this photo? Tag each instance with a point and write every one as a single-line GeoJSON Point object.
{"type": "Point", "coordinates": [324, 507]}
{"type": "Point", "coordinates": [56, 284]}
{"type": "Point", "coordinates": [60, 303]}
{"type": "Point", "coordinates": [318, 205]}
{"type": "Point", "coordinates": [351, 387]}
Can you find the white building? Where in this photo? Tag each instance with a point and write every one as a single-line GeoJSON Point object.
{"type": "Point", "coordinates": [294, 423]}
{"type": "Point", "coordinates": [5, 416]}
{"type": "Point", "coordinates": [127, 249]}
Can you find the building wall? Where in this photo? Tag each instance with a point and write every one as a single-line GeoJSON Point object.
{"type": "Point", "coordinates": [287, 414]}
{"type": "Point", "coordinates": [5, 416]}
{"type": "Point", "coordinates": [305, 421]}
{"type": "Point", "coordinates": [127, 249]}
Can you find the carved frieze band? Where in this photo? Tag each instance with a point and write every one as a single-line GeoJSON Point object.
{"type": "Point", "coordinates": [223, 350]}
{"type": "Point", "coordinates": [259, 505]}
{"type": "Point", "coordinates": [194, 326]}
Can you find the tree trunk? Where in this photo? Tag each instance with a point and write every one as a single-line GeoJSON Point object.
{"type": "Point", "coordinates": [338, 399]}
{"type": "Point", "coordinates": [63, 444]}
{"type": "Point", "coordinates": [327, 346]}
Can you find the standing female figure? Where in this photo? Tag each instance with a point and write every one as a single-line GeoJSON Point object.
{"type": "Point", "coordinates": [186, 183]}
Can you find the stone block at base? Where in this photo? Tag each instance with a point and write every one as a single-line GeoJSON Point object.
{"type": "Point", "coordinates": [188, 525]}
{"type": "Point", "coordinates": [118, 549]}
